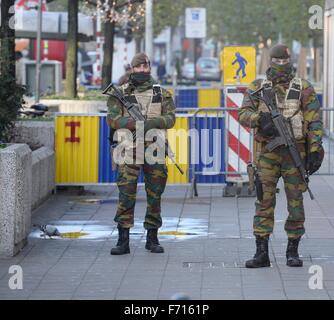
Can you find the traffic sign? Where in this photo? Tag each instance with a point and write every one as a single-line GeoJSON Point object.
{"type": "Point", "coordinates": [239, 64]}
{"type": "Point", "coordinates": [195, 23]}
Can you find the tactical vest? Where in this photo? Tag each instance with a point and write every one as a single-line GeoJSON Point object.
{"type": "Point", "coordinates": [290, 108]}
{"type": "Point", "coordinates": [149, 103]}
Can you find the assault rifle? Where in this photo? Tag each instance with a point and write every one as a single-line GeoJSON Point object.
{"type": "Point", "coordinates": [135, 114]}
{"type": "Point", "coordinates": [285, 135]}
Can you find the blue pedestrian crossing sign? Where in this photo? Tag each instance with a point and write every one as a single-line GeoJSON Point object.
{"type": "Point", "coordinates": [238, 64]}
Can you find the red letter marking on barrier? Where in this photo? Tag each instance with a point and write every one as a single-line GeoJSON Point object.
{"type": "Point", "coordinates": [73, 138]}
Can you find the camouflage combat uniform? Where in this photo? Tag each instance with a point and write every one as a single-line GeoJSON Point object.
{"type": "Point", "coordinates": [160, 115]}
{"type": "Point", "coordinates": [276, 164]}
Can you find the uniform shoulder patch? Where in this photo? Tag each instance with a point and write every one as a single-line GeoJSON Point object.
{"type": "Point", "coordinates": [112, 101]}
{"type": "Point", "coordinates": [306, 84]}
{"type": "Point", "coordinates": [256, 84]}
{"type": "Point", "coordinates": [166, 93]}
{"type": "Point", "coordinates": [125, 88]}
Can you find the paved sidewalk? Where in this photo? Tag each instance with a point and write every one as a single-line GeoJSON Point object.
{"type": "Point", "coordinates": [206, 241]}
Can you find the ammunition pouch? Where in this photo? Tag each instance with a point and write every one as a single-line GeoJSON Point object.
{"type": "Point", "coordinates": [258, 187]}
{"type": "Point", "coordinates": [113, 144]}
{"type": "Point", "coordinates": [254, 181]}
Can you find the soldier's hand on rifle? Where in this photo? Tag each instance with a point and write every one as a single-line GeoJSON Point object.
{"type": "Point", "coordinates": [266, 125]}
{"type": "Point", "coordinates": [314, 162]}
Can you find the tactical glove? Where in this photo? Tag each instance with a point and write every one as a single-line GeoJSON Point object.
{"type": "Point", "coordinates": [151, 124]}
{"type": "Point", "coordinates": [314, 162]}
{"type": "Point", "coordinates": [266, 125]}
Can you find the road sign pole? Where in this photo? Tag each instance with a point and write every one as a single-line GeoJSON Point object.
{"type": "Point", "coordinates": [38, 52]}
{"type": "Point", "coordinates": [195, 29]}
{"type": "Point", "coordinates": [195, 60]}
{"type": "Point", "coordinates": [149, 29]}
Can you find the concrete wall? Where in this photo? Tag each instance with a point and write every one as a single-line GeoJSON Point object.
{"type": "Point", "coordinates": [15, 198]}
{"type": "Point", "coordinates": [76, 106]}
{"type": "Point", "coordinates": [43, 178]}
{"type": "Point", "coordinates": [38, 133]}
{"type": "Point", "coordinates": [26, 180]}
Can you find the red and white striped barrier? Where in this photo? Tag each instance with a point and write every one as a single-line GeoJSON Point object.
{"type": "Point", "coordinates": [98, 75]}
{"type": "Point", "coordinates": [239, 138]}
{"type": "Point", "coordinates": [125, 60]}
{"type": "Point", "coordinates": [29, 4]}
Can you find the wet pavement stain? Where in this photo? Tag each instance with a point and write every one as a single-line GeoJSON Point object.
{"type": "Point", "coordinates": [74, 235]}
{"type": "Point", "coordinates": [88, 201]}
{"type": "Point", "coordinates": [176, 233]}
{"type": "Point", "coordinates": [79, 229]}
{"type": "Point", "coordinates": [98, 201]}
{"type": "Point", "coordinates": [173, 228]}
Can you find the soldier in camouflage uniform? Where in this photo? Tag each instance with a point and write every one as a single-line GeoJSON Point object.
{"type": "Point", "coordinates": [157, 105]}
{"type": "Point", "coordinates": [298, 102]}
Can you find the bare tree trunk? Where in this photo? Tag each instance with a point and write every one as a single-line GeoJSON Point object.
{"type": "Point", "coordinates": [7, 38]}
{"type": "Point", "coordinates": [301, 69]}
{"type": "Point", "coordinates": [138, 41]}
{"type": "Point", "coordinates": [317, 70]}
{"type": "Point", "coordinates": [72, 50]}
{"type": "Point", "coordinates": [108, 50]}
{"type": "Point", "coordinates": [264, 61]}
{"type": "Point", "coordinates": [317, 65]}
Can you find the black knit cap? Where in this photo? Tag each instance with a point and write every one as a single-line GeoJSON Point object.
{"type": "Point", "coordinates": [280, 51]}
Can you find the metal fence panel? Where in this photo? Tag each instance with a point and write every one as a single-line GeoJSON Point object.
{"type": "Point", "coordinates": [77, 146]}
{"type": "Point", "coordinates": [211, 149]}
{"type": "Point", "coordinates": [106, 174]}
{"type": "Point", "coordinates": [83, 151]}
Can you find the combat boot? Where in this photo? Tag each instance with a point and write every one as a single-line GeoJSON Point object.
{"type": "Point", "coordinates": [292, 256]}
{"type": "Point", "coordinates": [152, 242]}
{"type": "Point", "coordinates": [261, 257]}
{"type": "Point", "coordinates": [122, 246]}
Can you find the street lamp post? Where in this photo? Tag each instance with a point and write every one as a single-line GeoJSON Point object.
{"type": "Point", "coordinates": [38, 51]}
{"type": "Point", "coordinates": [149, 29]}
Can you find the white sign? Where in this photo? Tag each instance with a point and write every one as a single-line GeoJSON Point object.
{"type": "Point", "coordinates": [195, 22]}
